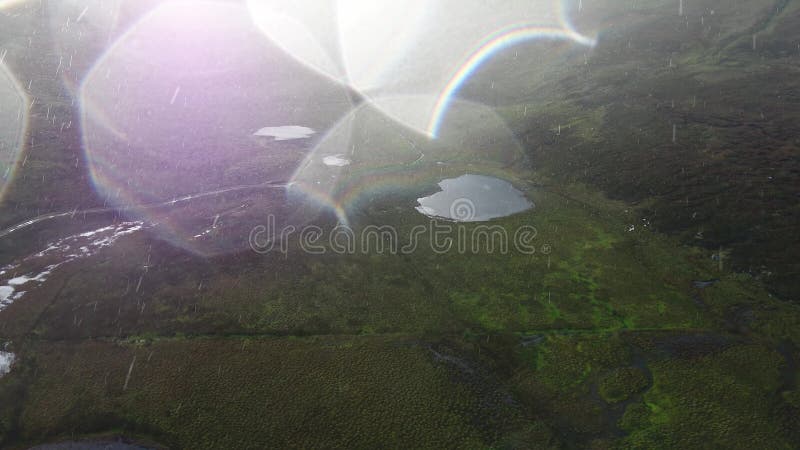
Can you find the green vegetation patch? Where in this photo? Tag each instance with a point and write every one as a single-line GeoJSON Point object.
{"type": "Point", "coordinates": [721, 399]}
{"type": "Point", "coordinates": [620, 384]}
{"type": "Point", "coordinates": [242, 393]}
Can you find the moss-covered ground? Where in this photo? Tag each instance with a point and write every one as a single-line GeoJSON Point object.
{"type": "Point", "coordinates": [601, 338]}
{"type": "Point", "coordinates": [655, 313]}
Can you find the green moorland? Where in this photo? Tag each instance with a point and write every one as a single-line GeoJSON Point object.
{"type": "Point", "coordinates": [599, 339]}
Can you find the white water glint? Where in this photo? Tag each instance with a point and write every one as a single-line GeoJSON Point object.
{"type": "Point", "coordinates": [5, 294]}
{"type": "Point", "coordinates": [474, 198]}
{"type": "Point", "coordinates": [336, 161]}
{"type": "Point", "coordinates": [6, 361]}
{"type": "Point", "coordinates": [35, 269]}
{"type": "Point", "coordinates": [286, 132]}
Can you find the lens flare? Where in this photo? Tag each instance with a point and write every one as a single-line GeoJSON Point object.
{"type": "Point", "coordinates": [174, 107]}
{"type": "Point", "coordinates": [385, 158]}
{"type": "Point", "coordinates": [81, 30]}
{"type": "Point", "coordinates": [375, 36]}
{"type": "Point", "coordinates": [9, 4]}
{"type": "Point", "coordinates": [13, 122]}
{"type": "Point", "coordinates": [304, 29]}
{"type": "Point", "coordinates": [492, 45]}
{"type": "Point", "coordinates": [385, 49]}
{"type": "Point", "coordinates": [172, 111]}
{"type": "Point", "coordinates": [565, 8]}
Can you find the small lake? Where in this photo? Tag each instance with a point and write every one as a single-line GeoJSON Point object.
{"type": "Point", "coordinates": [285, 133]}
{"type": "Point", "coordinates": [474, 198]}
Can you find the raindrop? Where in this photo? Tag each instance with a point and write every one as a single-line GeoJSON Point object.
{"type": "Point", "coordinates": [175, 95]}
{"type": "Point", "coordinates": [80, 16]}
{"type": "Point", "coordinates": [128, 377]}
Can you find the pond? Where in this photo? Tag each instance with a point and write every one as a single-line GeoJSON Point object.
{"type": "Point", "coordinates": [474, 198]}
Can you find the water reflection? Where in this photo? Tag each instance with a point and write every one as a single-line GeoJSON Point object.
{"type": "Point", "coordinates": [368, 155]}
{"type": "Point", "coordinates": [474, 198]}
{"type": "Point", "coordinates": [285, 133]}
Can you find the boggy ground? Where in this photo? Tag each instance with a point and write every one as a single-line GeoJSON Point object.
{"type": "Point", "coordinates": [610, 339]}
{"type": "Point", "coordinates": [724, 77]}
{"type": "Point", "coordinates": [602, 338]}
